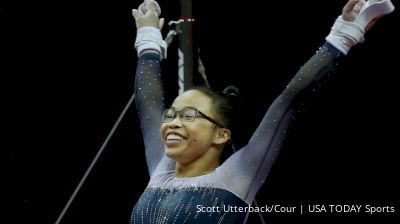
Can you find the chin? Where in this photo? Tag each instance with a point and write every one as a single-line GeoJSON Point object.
{"type": "Point", "coordinates": [179, 154]}
{"type": "Point", "coordinates": [173, 153]}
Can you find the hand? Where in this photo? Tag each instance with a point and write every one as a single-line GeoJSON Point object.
{"type": "Point", "coordinates": [148, 15]}
{"type": "Point", "coordinates": [148, 33]}
{"type": "Point", "coordinates": [357, 17]}
{"type": "Point", "coordinates": [351, 10]}
{"type": "Point", "coordinates": [366, 13]}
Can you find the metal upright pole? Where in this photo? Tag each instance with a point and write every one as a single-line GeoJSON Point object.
{"type": "Point", "coordinates": [186, 55]}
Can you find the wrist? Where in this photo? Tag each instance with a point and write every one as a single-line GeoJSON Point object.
{"type": "Point", "coordinates": [345, 34]}
{"type": "Point", "coordinates": [150, 39]}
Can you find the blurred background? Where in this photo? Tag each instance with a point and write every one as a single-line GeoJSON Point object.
{"type": "Point", "coordinates": [67, 72]}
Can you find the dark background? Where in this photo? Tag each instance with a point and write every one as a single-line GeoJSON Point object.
{"type": "Point", "coordinates": [67, 72]}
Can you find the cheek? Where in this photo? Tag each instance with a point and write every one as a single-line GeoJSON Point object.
{"type": "Point", "coordinates": [163, 127]}
{"type": "Point", "coordinates": [199, 134]}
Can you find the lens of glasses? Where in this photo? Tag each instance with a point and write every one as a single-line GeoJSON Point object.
{"type": "Point", "coordinates": [186, 114]}
{"type": "Point", "coordinates": [189, 114]}
{"type": "Point", "coordinates": [168, 115]}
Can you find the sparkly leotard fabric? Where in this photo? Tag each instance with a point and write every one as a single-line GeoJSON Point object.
{"type": "Point", "coordinates": [223, 195]}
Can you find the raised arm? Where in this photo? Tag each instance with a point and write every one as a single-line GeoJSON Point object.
{"type": "Point", "coordinates": [245, 171]}
{"type": "Point", "coordinates": [148, 85]}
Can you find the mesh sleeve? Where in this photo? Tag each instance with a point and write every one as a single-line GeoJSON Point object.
{"type": "Point", "coordinates": [246, 170]}
{"type": "Point", "coordinates": [150, 104]}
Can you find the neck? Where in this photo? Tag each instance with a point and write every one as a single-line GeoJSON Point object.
{"type": "Point", "coordinates": [203, 165]}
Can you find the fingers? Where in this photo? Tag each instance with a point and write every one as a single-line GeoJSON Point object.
{"type": "Point", "coordinates": [352, 9]}
{"type": "Point", "coordinates": [150, 6]}
{"type": "Point", "coordinates": [348, 8]}
{"type": "Point", "coordinates": [358, 6]}
{"type": "Point", "coordinates": [147, 14]}
{"type": "Point", "coordinates": [156, 6]}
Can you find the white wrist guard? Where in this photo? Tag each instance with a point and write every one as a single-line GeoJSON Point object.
{"type": "Point", "coordinates": [345, 34]}
{"type": "Point", "coordinates": [150, 38]}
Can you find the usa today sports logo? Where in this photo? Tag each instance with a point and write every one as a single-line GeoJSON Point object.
{"type": "Point", "coordinates": [301, 209]}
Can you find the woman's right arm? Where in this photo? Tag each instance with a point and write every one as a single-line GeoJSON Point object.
{"type": "Point", "coordinates": [148, 85]}
{"type": "Point", "coordinates": [149, 104]}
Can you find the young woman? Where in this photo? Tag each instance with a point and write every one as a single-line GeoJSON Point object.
{"type": "Point", "coordinates": [184, 143]}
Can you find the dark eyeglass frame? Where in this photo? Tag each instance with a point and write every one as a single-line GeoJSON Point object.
{"type": "Point", "coordinates": [197, 114]}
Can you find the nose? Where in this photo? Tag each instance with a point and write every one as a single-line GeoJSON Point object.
{"type": "Point", "coordinates": [175, 123]}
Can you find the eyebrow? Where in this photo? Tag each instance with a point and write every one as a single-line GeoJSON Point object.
{"type": "Point", "coordinates": [192, 107]}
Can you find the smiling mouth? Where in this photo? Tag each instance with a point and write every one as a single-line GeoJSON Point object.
{"type": "Point", "coordinates": [173, 138]}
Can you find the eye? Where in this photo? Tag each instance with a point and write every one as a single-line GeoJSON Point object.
{"type": "Point", "coordinates": [189, 114]}
{"type": "Point", "coordinates": [170, 114]}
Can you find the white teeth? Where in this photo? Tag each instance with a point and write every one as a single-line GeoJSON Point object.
{"type": "Point", "coordinates": [174, 137]}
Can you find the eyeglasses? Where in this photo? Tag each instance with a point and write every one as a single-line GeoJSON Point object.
{"type": "Point", "coordinates": [187, 114]}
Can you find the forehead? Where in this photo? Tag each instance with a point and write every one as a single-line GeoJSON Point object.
{"type": "Point", "coordinates": [192, 98]}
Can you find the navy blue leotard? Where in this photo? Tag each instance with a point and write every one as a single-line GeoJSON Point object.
{"type": "Point", "coordinates": [223, 195]}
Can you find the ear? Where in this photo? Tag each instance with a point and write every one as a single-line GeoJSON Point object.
{"type": "Point", "coordinates": [222, 136]}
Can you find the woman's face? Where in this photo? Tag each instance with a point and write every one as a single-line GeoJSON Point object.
{"type": "Point", "coordinates": [186, 141]}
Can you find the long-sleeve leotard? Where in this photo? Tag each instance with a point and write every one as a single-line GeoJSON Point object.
{"type": "Point", "coordinates": [244, 172]}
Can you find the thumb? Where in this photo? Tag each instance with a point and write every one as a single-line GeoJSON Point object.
{"type": "Point", "coordinates": [372, 23]}
{"type": "Point", "coordinates": [161, 23]}
{"type": "Point", "coordinates": [135, 14]}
